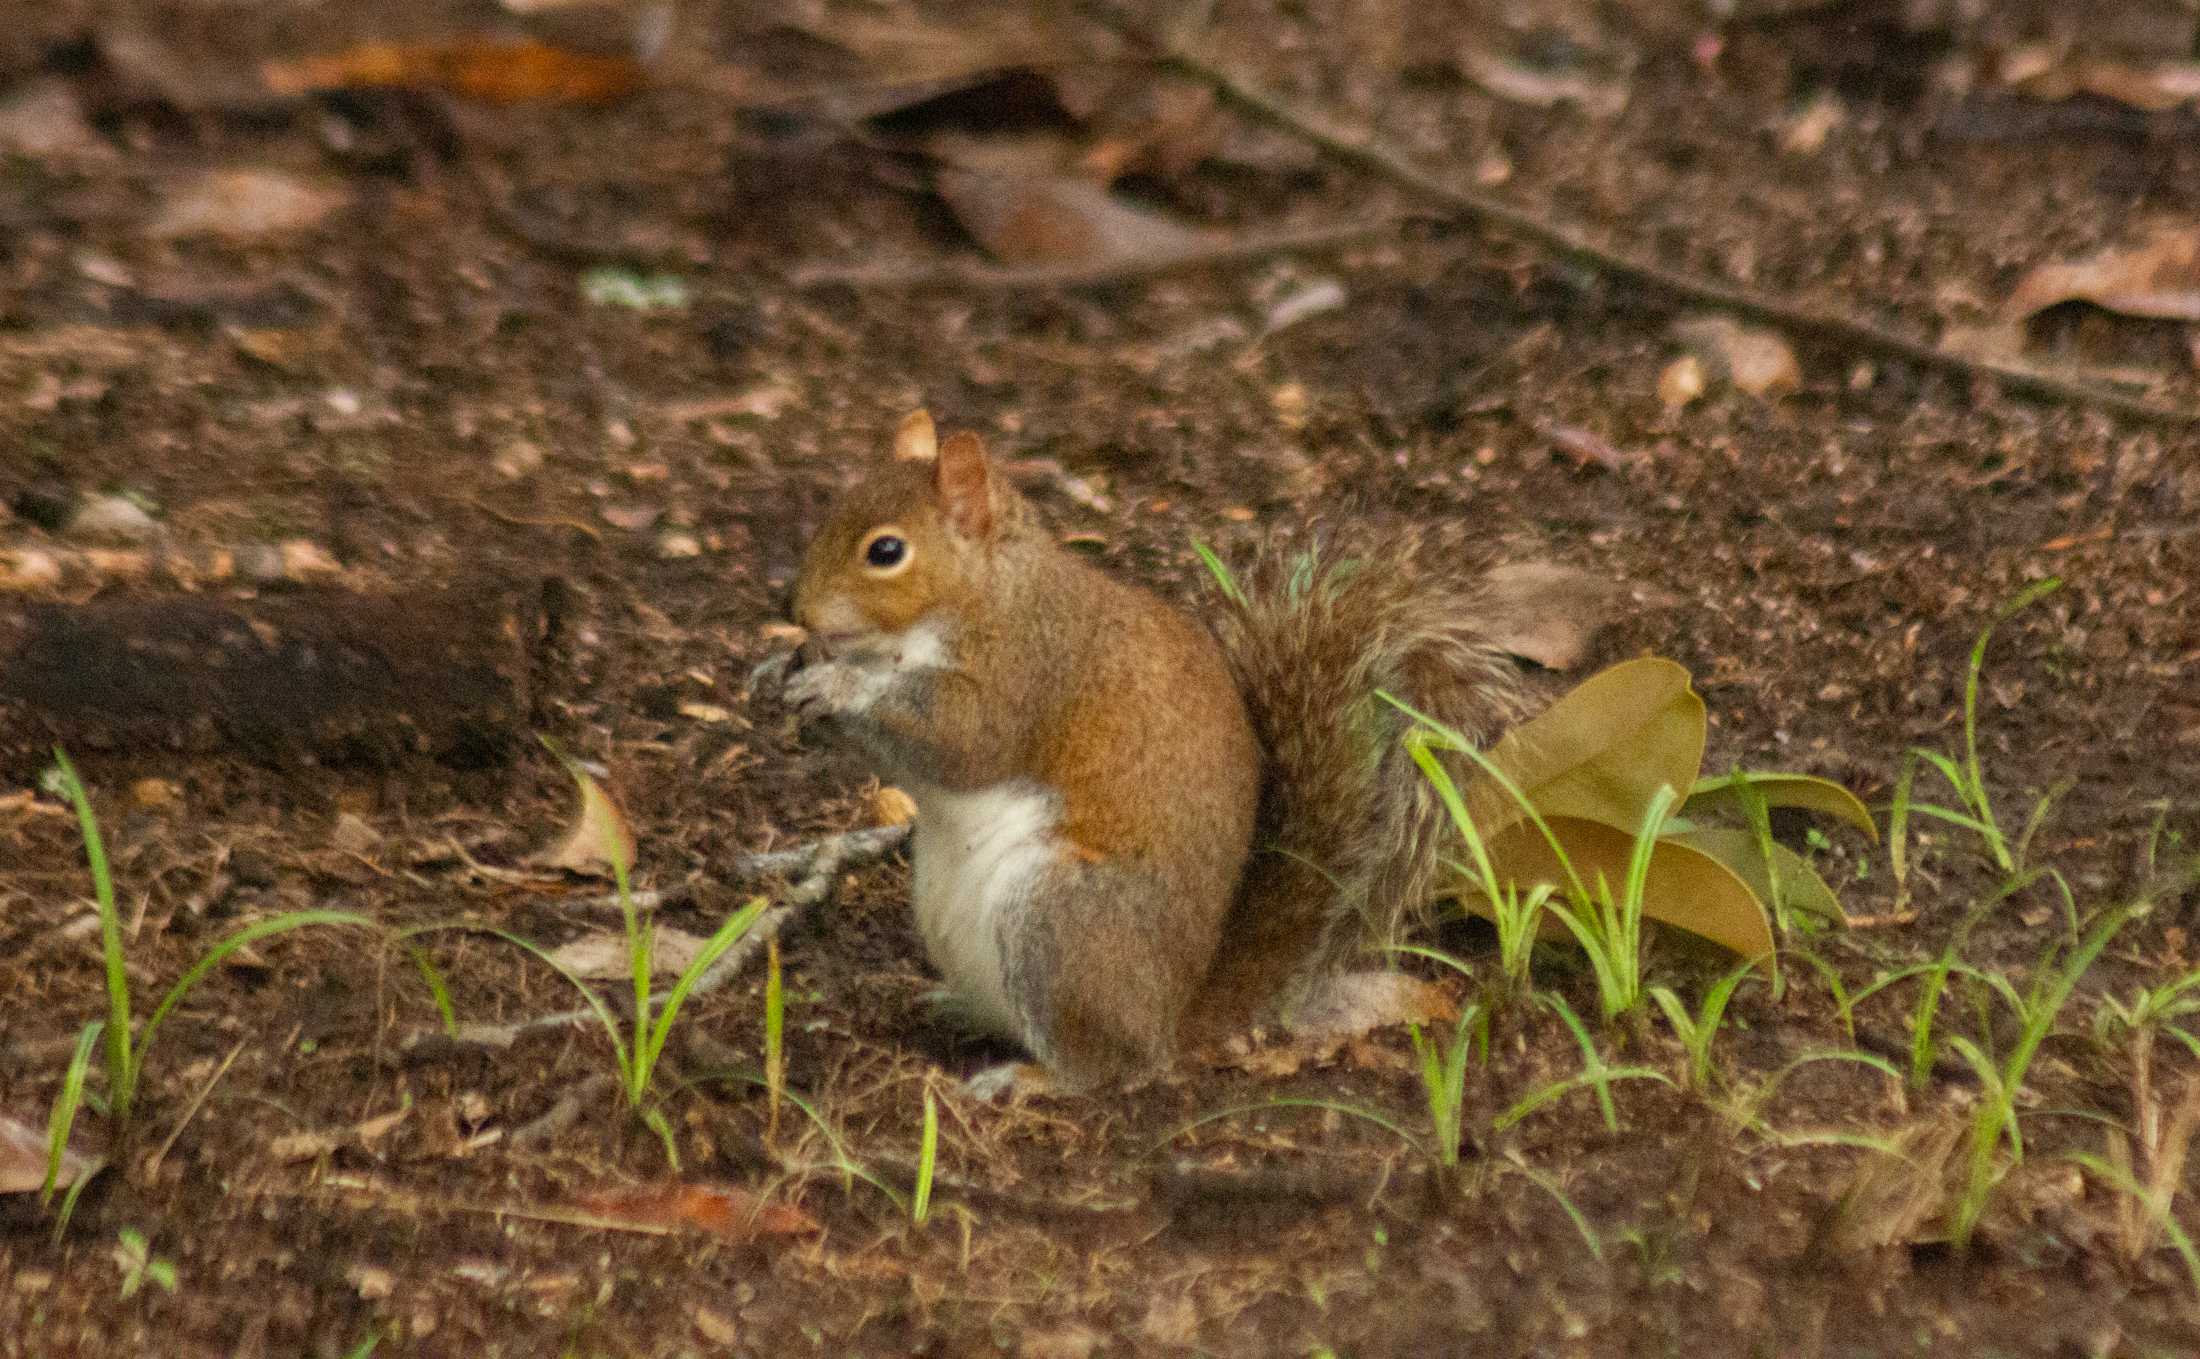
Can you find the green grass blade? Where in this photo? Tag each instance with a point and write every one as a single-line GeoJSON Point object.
{"type": "Point", "coordinates": [1602, 1078]}
{"type": "Point", "coordinates": [1221, 573]}
{"type": "Point", "coordinates": [121, 1056]}
{"type": "Point", "coordinates": [928, 1150]}
{"type": "Point", "coordinates": [61, 1120]}
{"type": "Point", "coordinates": [252, 933]}
{"type": "Point", "coordinates": [727, 934]}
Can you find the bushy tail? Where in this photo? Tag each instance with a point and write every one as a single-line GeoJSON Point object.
{"type": "Point", "coordinates": [1350, 831]}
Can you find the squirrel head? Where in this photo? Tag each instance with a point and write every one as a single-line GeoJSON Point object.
{"type": "Point", "coordinates": [915, 535]}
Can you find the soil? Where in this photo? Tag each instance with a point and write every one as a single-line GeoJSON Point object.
{"type": "Point", "coordinates": [418, 388]}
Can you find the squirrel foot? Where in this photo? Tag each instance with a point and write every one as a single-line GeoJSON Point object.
{"type": "Point", "coordinates": [1352, 1003]}
{"type": "Point", "coordinates": [1016, 1080]}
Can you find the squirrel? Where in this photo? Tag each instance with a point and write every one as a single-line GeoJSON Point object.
{"type": "Point", "coordinates": [1135, 833]}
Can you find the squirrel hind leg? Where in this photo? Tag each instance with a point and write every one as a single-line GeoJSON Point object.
{"type": "Point", "coordinates": [1101, 973]}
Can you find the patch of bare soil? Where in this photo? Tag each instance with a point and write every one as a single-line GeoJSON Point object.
{"type": "Point", "coordinates": [419, 421]}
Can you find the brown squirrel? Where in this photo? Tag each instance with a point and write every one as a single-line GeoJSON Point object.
{"type": "Point", "coordinates": [1133, 834]}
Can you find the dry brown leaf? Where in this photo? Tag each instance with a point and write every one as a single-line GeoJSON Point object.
{"type": "Point", "coordinates": [1682, 381]}
{"type": "Point", "coordinates": [890, 806]}
{"type": "Point", "coordinates": [715, 1326]}
{"type": "Point", "coordinates": [44, 117]}
{"type": "Point", "coordinates": [2159, 278]}
{"type": "Point", "coordinates": [603, 955]}
{"type": "Point", "coordinates": [599, 830]}
{"type": "Point", "coordinates": [477, 68]}
{"type": "Point", "coordinates": [2155, 86]}
{"type": "Point", "coordinates": [903, 49]}
{"type": "Point", "coordinates": [1757, 361]}
{"type": "Point", "coordinates": [719, 1210]}
{"type": "Point", "coordinates": [1069, 1342]}
{"type": "Point", "coordinates": [23, 1159]}
{"type": "Point", "coordinates": [1546, 613]}
{"type": "Point", "coordinates": [1060, 220]}
{"type": "Point", "coordinates": [244, 202]}
{"type": "Point", "coordinates": [1520, 83]}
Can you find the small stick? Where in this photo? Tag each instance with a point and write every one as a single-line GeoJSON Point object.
{"type": "Point", "coordinates": [1361, 146]}
{"type": "Point", "coordinates": [977, 274]}
{"type": "Point", "coordinates": [1877, 922]}
{"type": "Point", "coordinates": [152, 1163]}
{"type": "Point", "coordinates": [825, 860]}
{"type": "Point", "coordinates": [561, 1115]}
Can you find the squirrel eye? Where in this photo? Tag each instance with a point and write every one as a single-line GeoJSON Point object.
{"type": "Point", "coordinates": [886, 552]}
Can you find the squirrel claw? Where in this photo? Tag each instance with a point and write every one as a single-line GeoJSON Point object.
{"type": "Point", "coordinates": [770, 674]}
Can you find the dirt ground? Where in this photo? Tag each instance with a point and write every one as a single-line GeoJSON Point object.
{"type": "Point", "coordinates": [578, 517]}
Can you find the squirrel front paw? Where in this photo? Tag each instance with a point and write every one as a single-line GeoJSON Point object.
{"type": "Point", "coordinates": [823, 690]}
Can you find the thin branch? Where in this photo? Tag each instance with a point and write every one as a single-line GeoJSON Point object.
{"type": "Point", "coordinates": [1361, 146]}
{"type": "Point", "coordinates": [821, 863]}
{"type": "Point", "coordinates": [978, 274]}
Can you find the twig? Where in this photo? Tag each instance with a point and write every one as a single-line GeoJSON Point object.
{"type": "Point", "coordinates": [1362, 147]}
{"type": "Point", "coordinates": [563, 1114]}
{"type": "Point", "coordinates": [1882, 921]}
{"type": "Point", "coordinates": [844, 850]}
{"type": "Point", "coordinates": [822, 862]}
{"type": "Point", "coordinates": [856, 846]}
{"type": "Point", "coordinates": [976, 274]}
{"type": "Point", "coordinates": [152, 1163]}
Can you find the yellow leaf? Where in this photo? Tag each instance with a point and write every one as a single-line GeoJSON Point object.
{"type": "Point", "coordinates": [1779, 790]}
{"type": "Point", "coordinates": [1800, 885]}
{"type": "Point", "coordinates": [1685, 887]}
{"type": "Point", "coordinates": [1600, 752]}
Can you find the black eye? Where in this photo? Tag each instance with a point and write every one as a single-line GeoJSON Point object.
{"type": "Point", "coordinates": [886, 551]}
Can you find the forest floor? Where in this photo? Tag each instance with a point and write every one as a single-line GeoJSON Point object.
{"type": "Point", "coordinates": [526, 407]}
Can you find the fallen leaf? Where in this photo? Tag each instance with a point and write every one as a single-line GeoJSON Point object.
{"type": "Point", "coordinates": [2155, 86]}
{"type": "Point", "coordinates": [1541, 86]}
{"type": "Point", "coordinates": [242, 203]}
{"type": "Point", "coordinates": [1602, 750]}
{"type": "Point", "coordinates": [604, 954]}
{"type": "Point", "coordinates": [719, 1210]}
{"type": "Point", "coordinates": [890, 806]}
{"type": "Point", "coordinates": [1069, 1342]}
{"type": "Point", "coordinates": [23, 1151]}
{"type": "Point", "coordinates": [715, 1326]}
{"type": "Point", "coordinates": [2158, 278]}
{"type": "Point", "coordinates": [1546, 613]}
{"type": "Point", "coordinates": [599, 830]}
{"type": "Point", "coordinates": [1033, 219]}
{"type": "Point", "coordinates": [154, 794]}
{"type": "Point", "coordinates": [44, 117]}
{"type": "Point", "coordinates": [306, 1146]}
{"type": "Point", "coordinates": [1805, 132]}
{"type": "Point", "coordinates": [1755, 360]}
{"type": "Point", "coordinates": [1682, 381]}
{"type": "Point", "coordinates": [476, 68]}
{"type": "Point", "coordinates": [1726, 794]}
{"type": "Point", "coordinates": [902, 59]}
{"type": "Point", "coordinates": [352, 835]}
{"type": "Point", "coordinates": [113, 518]}
{"type": "Point", "coordinates": [704, 712]}
{"type": "Point", "coordinates": [1684, 887]}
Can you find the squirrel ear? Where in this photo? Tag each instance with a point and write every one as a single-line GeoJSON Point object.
{"type": "Point", "coordinates": [915, 440]}
{"type": "Point", "coordinates": [965, 484]}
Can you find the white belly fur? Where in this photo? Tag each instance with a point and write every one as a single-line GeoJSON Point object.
{"type": "Point", "coordinates": [977, 854]}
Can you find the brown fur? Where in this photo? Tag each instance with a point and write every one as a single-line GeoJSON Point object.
{"type": "Point", "coordinates": [1163, 914]}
